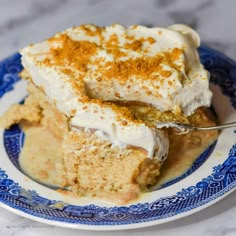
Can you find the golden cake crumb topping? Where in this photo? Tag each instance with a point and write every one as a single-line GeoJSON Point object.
{"type": "Point", "coordinates": [82, 56]}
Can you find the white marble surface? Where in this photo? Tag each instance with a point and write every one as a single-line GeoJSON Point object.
{"type": "Point", "coordinates": [26, 21]}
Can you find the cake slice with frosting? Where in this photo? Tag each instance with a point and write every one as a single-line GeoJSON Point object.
{"type": "Point", "coordinates": [108, 86]}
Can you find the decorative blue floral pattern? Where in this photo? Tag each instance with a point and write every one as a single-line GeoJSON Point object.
{"type": "Point", "coordinates": [222, 69]}
{"type": "Point", "coordinates": [13, 142]}
{"type": "Point", "coordinates": [9, 70]}
{"type": "Point", "coordinates": [222, 179]}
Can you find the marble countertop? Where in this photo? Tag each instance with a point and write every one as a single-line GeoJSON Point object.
{"type": "Point", "coordinates": [26, 21]}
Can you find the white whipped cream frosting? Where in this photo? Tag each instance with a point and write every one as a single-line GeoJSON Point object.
{"type": "Point", "coordinates": [192, 94]}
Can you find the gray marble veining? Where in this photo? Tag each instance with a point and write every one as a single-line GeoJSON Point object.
{"type": "Point", "coordinates": [29, 21]}
{"type": "Point", "coordinates": [26, 21]}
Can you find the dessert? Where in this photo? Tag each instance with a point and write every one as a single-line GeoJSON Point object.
{"type": "Point", "coordinates": [100, 91]}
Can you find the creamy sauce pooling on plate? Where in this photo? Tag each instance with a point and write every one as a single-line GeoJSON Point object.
{"type": "Point", "coordinates": [40, 155]}
{"type": "Point", "coordinates": [39, 161]}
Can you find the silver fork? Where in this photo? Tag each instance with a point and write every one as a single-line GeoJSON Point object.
{"type": "Point", "coordinates": [185, 128]}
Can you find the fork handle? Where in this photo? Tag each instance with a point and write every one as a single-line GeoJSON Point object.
{"type": "Point", "coordinates": [218, 127]}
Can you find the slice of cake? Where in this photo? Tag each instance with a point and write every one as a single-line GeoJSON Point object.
{"type": "Point", "coordinates": [101, 90]}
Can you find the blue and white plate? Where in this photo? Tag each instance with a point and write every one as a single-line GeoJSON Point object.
{"type": "Point", "coordinates": [211, 177]}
